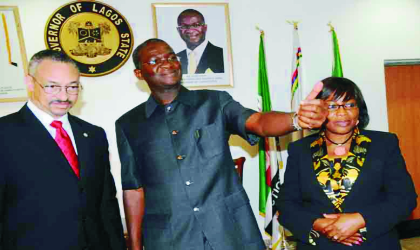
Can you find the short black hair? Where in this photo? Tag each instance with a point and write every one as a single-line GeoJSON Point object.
{"type": "Point", "coordinates": [342, 87]}
{"type": "Point", "coordinates": [188, 12]}
{"type": "Point", "coordinates": [48, 54]}
{"type": "Point", "coordinates": [136, 52]}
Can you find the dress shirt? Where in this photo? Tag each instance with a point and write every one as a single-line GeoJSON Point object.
{"type": "Point", "coordinates": [46, 120]}
{"type": "Point", "coordinates": [198, 52]}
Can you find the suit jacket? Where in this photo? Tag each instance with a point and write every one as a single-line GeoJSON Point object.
{"type": "Point", "coordinates": [179, 154]}
{"type": "Point", "coordinates": [43, 205]}
{"type": "Point", "coordinates": [383, 193]}
{"type": "Point", "coordinates": [212, 59]}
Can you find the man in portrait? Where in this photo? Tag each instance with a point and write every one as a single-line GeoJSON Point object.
{"type": "Point", "coordinates": [200, 56]}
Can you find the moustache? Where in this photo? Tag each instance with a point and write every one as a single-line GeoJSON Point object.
{"type": "Point", "coordinates": [60, 102]}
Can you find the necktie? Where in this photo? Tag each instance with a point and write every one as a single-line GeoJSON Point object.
{"type": "Point", "coordinates": [192, 63]}
{"type": "Point", "coordinates": [64, 142]}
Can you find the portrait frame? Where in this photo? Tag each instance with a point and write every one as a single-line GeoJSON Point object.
{"type": "Point", "coordinates": [218, 33]}
{"type": "Point", "coordinates": [13, 60]}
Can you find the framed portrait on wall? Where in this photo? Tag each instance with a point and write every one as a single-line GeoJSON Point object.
{"type": "Point", "coordinates": [199, 33]}
{"type": "Point", "coordinates": [13, 62]}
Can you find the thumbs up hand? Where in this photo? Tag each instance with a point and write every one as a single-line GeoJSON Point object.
{"type": "Point", "coordinates": [312, 112]}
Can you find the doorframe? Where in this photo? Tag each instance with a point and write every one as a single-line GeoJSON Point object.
{"type": "Point", "coordinates": [401, 62]}
{"type": "Point", "coordinates": [407, 228]}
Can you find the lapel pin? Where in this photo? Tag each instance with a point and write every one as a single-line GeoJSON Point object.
{"type": "Point", "coordinates": [85, 135]}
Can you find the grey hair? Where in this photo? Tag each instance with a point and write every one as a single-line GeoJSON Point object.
{"type": "Point", "coordinates": [53, 55]}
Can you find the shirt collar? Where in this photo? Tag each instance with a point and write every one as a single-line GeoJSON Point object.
{"type": "Point", "coordinates": [198, 51]}
{"type": "Point", "coordinates": [44, 117]}
{"type": "Point", "coordinates": [184, 96]}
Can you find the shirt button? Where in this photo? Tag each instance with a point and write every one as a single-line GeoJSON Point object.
{"type": "Point", "coordinates": [168, 108]}
{"type": "Point", "coordinates": [188, 183]}
{"type": "Point", "coordinates": [196, 209]}
{"type": "Point", "coordinates": [180, 157]}
{"type": "Point", "coordinates": [174, 132]}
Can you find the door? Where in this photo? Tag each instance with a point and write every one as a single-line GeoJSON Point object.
{"type": "Point", "coordinates": [403, 101]}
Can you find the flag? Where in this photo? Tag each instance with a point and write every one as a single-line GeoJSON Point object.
{"type": "Point", "coordinates": [278, 237]}
{"type": "Point", "coordinates": [296, 82]}
{"type": "Point", "coordinates": [268, 159]}
{"type": "Point", "coordinates": [337, 70]}
{"type": "Point", "coordinates": [264, 105]}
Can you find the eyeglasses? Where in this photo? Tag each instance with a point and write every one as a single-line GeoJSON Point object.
{"type": "Point", "coordinates": [347, 106]}
{"type": "Point", "coordinates": [55, 89]}
{"type": "Point", "coordinates": [192, 26]}
{"type": "Point", "coordinates": [159, 61]}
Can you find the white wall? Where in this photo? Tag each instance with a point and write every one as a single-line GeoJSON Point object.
{"type": "Point", "coordinates": [369, 31]}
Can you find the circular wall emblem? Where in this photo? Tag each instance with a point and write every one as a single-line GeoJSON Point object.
{"type": "Point", "coordinates": [93, 34]}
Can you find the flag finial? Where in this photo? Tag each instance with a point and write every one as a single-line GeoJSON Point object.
{"type": "Point", "coordinates": [294, 23]}
{"type": "Point", "coordinates": [260, 30]}
{"type": "Point", "coordinates": [330, 25]}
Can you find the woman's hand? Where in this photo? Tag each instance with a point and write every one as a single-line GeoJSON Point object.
{"type": "Point", "coordinates": [345, 227]}
{"type": "Point", "coordinates": [356, 239]}
{"type": "Point", "coordinates": [321, 223]}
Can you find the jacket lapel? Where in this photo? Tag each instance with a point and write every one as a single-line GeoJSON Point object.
{"type": "Point", "coordinates": [312, 178]}
{"type": "Point", "coordinates": [81, 137]}
{"type": "Point", "coordinates": [44, 145]}
{"type": "Point", "coordinates": [203, 64]}
{"type": "Point", "coordinates": [362, 181]}
{"type": "Point", "coordinates": [184, 61]}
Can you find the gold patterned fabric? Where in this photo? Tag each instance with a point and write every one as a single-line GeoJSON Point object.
{"type": "Point", "coordinates": [336, 176]}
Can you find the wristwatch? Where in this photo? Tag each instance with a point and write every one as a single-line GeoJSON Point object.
{"type": "Point", "coordinates": [295, 122]}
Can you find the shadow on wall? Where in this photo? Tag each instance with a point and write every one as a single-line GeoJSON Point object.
{"type": "Point", "coordinates": [76, 110]}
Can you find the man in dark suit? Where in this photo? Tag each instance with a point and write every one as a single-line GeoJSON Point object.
{"type": "Point", "coordinates": [178, 177]}
{"type": "Point", "coordinates": [56, 188]}
{"type": "Point", "coordinates": [200, 56]}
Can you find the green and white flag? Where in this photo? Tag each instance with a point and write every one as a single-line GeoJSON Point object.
{"type": "Point", "coordinates": [268, 162]}
{"type": "Point", "coordinates": [264, 105]}
{"type": "Point", "coordinates": [337, 69]}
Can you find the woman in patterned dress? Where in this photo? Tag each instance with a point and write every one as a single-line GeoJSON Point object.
{"type": "Point", "coordinates": [345, 186]}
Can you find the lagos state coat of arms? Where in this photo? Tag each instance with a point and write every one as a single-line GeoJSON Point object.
{"type": "Point", "coordinates": [93, 34]}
